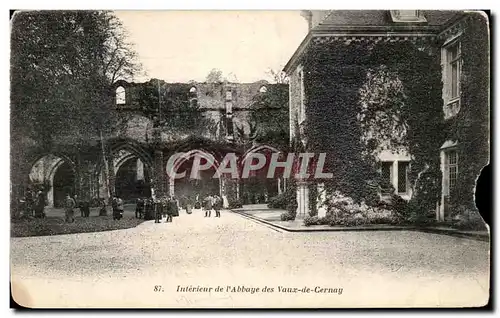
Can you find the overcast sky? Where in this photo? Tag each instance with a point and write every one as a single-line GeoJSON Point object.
{"type": "Point", "coordinates": [178, 46]}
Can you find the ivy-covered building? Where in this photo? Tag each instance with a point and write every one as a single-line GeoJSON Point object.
{"type": "Point", "coordinates": [154, 120]}
{"type": "Point", "coordinates": [399, 101]}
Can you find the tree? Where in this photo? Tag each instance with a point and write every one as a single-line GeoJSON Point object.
{"type": "Point", "coordinates": [62, 65]}
{"type": "Point", "coordinates": [271, 116]}
{"type": "Point", "coordinates": [215, 76]}
{"type": "Point", "coordinates": [174, 106]}
{"type": "Point", "coordinates": [279, 77]}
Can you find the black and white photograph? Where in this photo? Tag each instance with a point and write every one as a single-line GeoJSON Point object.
{"type": "Point", "coordinates": [221, 159]}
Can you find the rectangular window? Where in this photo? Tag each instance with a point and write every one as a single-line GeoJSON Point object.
{"type": "Point", "coordinates": [407, 16]}
{"type": "Point", "coordinates": [386, 184]}
{"type": "Point", "coordinates": [229, 107]}
{"type": "Point", "coordinates": [302, 106]}
{"type": "Point", "coordinates": [452, 162]}
{"type": "Point", "coordinates": [403, 169]}
{"type": "Point", "coordinates": [407, 13]}
{"type": "Point", "coordinates": [229, 126]}
{"type": "Point", "coordinates": [453, 65]}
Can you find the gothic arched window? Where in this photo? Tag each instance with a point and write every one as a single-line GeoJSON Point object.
{"type": "Point", "coordinates": [120, 96]}
{"type": "Point", "coordinates": [263, 89]}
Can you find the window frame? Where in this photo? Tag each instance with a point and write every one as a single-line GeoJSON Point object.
{"type": "Point", "coordinates": [397, 17]}
{"type": "Point", "coordinates": [229, 107]}
{"type": "Point", "coordinates": [123, 96]}
{"type": "Point", "coordinates": [407, 181]}
{"type": "Point", "coordinates": [229, 126]}
{"type": "Point", "coordinates": [451, 101]}
{"type": "Point", "coordinates": [302, 102]}
{"type": "Point", "coordinates": [390, 164]}
{"type": "Point", "coordinates": [449, 166]}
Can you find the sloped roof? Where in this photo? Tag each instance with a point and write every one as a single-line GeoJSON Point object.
{"type": "Point", "coordinates": [375, 22]}
{"type": "Point", "coordinates": [382, 18]}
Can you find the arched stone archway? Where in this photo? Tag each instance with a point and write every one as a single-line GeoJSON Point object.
{"type": "Point", "coordinates": [56, 174]}
{"type": "Point", "coordinates": [194, 184]}
{"type": "Point", "coordinates": [132, 179]}
{"type": "Point", "coordinates": [258, 188]}
{"type": "Point", "coordinates": [131, 170]}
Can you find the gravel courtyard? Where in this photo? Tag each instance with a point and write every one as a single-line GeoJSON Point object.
{"type": "Point", "coordinates": [186, 258]}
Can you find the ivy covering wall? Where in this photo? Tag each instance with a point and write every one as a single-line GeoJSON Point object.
{"type": "Point", "coordinates": [335, 76]}
{"type": "Point", "coordinates": [470, 127]}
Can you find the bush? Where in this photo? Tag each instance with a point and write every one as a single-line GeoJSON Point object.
{"type": "Point", "coordinates": [292, 208]}
{"type": "Point", "coordinates": [286, 201]}
{"type": "Point", "coordinates": [234, 204]}
{"type": "Point", "coordinates": [399, 205]}
{"type": "Point", "coordinates": [287, 217]}
{"type": "Point", "coordinates": [311, 220]}
{"type": "Point", "coordinates": [343, 211]}
{"type": "Point", "coordinates": [282, 200]}
{"type": "Point", "coordinates": [467, 219]}
{"type": "Point", "coordinates": [313, 197]}
{"type": "Point", "coordinates": [348, 220]}
{"type": "Point", "coordinates": [325, 220]}
{"type": "Point", "coordinates": [29, 226]}
{"type": "Point", "coordinates": [278, 202]}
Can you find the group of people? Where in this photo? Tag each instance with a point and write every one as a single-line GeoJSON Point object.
{"type": "Point", "coordinates": [72, 203]}
{"type": "Point", "coordinates": [158, 207]}
{"type": "Point", "coordinates": [148, 208]}
{"type": "Point", "coordinates": [212, 202]}
{"type": "Point", "coordinates": [169, 207]}
{"type": "Point", "coordinates": [34, 203]}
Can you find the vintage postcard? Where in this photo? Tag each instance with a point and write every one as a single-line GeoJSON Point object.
{"type": "Point", "coordinates": [249, 159]}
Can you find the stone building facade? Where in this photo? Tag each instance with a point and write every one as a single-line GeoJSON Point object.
{"type": "Point", "coordinates": [156, 120]}
{"type": "Point", "coordinates": [449, 38]}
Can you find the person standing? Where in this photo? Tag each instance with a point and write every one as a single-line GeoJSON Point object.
{"type": "Point", "coordinates": [139, 208]}
{"type": "Point", "coordinates": [175, 206]}
{"type": "Point", "coordinates": [149, 209]}
{"type": "Point", "coordinates": [189, 205]}
{"type": "Point", "coordinates": [40, 205]}
{"type": "Point", "coordinates": [169, 210]}
{"type": "Point", "coordinates": [69, 205]}
{"type": "Point", "coordinates": [119, 208]}
{"type": "Point", "coordinates": [103, 210]}
{"type": "Point", "coordinates": [208, 206]}
{"type": "Point", "coordinates": [217, 205]}
{"type": "Point", "coordinates": [197, 204]}
{"type": "Point", "coordinates": [157, 210]}
{"type": "Point", "coordinates": [78, 205]}
{"type": "Point", "coordinates": [85, 207]}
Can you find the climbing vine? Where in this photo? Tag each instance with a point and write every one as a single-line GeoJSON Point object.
{"type": "Point", "coordinates": [470, 127]}
{"type": "Point", "coordinates": [393, 88]}
{"type": "Point", "coordinates": [172, 106]}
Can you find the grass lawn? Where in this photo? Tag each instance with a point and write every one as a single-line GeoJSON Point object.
{"type": "Point", "coordinates": [53, 225]}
